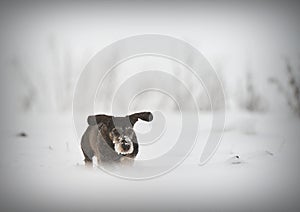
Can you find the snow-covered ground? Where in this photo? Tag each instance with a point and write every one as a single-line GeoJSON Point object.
{"type": "Point", "coordinates": [44, 171]}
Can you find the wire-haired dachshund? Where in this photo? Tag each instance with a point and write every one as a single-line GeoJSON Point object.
{"type": "Point", "coordinates": [111, 139]}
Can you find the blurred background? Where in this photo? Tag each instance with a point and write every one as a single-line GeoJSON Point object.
{"type": "Point", "coordinates": [253, 46]}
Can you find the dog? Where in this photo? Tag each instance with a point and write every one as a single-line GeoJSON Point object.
{"type": "Point", "coordinates": [110, 139]}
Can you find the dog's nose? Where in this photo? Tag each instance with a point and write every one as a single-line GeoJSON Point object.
{"type": "Point", "coordinates": [125, 145]}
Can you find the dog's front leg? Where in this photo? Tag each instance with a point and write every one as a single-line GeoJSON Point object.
{"type": "Point", "coordinates": [126, 161]}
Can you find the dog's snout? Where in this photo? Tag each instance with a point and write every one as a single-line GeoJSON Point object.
{"type": "Point", "coordinates": [125, 141]}
{"type": "Point", "coordinates": [125, 146]}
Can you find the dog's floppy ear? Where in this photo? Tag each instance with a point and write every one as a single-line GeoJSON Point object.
{"type": "Point", "coordinates": [98, 119]}
{"type": "Point", "coordinates": [145, 116]}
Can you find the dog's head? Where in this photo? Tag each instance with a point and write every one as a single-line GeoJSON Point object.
{"type": "Point", "coordinates": [119, 130]}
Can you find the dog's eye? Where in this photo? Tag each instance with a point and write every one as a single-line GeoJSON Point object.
{"type": "Point", "coordinates": [115, 132]}
{"type": "Point", "coordinates": [102, 127]}
{"type": "Point", "coordinates": [129, 131]}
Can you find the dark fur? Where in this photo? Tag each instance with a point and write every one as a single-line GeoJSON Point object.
{"type": "Point", "coordinates": [96, 141]}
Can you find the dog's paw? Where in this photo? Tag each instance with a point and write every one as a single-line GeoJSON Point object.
{"type": "Point", "coordinates": [126, 161]}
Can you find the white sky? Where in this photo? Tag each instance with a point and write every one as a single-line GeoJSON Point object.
{"type": "Point", "coordinates": [230, 34]}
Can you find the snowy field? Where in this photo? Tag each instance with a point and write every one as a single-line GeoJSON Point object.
{"type": "Point", "coordinates": [44, 170]}
{"type": "Point", "coordinates": [254, 48]}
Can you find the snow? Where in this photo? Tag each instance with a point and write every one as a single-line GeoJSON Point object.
{"type": "Point", "coordinates": [255, 167]}
{"type": "Point", "coordinates": [44, 170]}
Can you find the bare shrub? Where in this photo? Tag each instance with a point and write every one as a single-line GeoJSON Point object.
{"type": "Point", "coordinates": [292, 91]}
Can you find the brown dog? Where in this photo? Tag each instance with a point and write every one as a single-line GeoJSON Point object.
{"type": "Point", "coordinates": [111, 139]}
